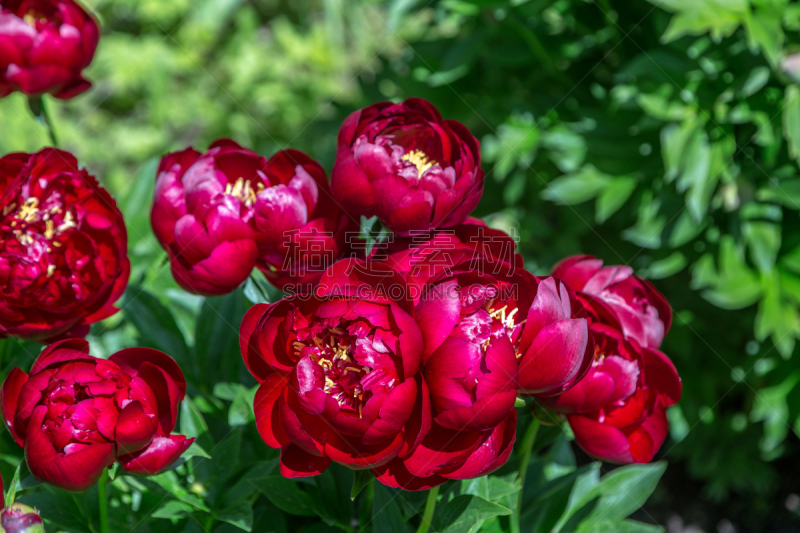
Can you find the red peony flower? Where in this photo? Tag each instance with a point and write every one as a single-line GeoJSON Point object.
{"type": "Point", "coordinates": [618, 411]}
{"type": "Point", "coordinates": [221, 213]}
{"type": "Point", "coordinates": [338, 372]}
{"type": "Point", "coordinates": [44, 46]}
{"type": "Point", "coordinates": [75, 414]}
{"type": "Point", "coordinates": [478, 353]}
{"type": "Point", "coordinates": [407, 165]}
{"type": "Point", "coordinates": [641, 311]}
{"type": "Point", "coordinates": [63, 248]}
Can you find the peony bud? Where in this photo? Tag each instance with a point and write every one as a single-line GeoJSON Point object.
{"type": "Point", "coordinates": [19, 518]}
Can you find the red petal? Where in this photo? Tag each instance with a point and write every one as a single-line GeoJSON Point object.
{"type": "Point", "coordinates": [600, 440]}
{"type": "Point", "coordinates": [9, 395]}
{"type": "Point", "coordinates": [134, 429]}
{"type": "Point", "coordinates": [297, 463]}
{"type": "Point", "coordinates": [160, 454]}
{"type": "Point", "coordinates": [74, 472]}
{"type": "Point", "coordinates": [266, 411]}
{"type": "Point", "coordinates": [132, 359]}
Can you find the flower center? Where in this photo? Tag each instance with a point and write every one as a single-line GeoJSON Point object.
{"type": "Point", "coordinates": [31, 220]}
{"type": "Point", "coordinates": [341, 372]}
{"type": "Point", "coordinates": [419, 160]}
{"type": "Point", "coordinates": [32, 17]}
{"type": "Point", "coordinates": [504, 322]}
{"type": "Point", "coordinates": [242, 190]}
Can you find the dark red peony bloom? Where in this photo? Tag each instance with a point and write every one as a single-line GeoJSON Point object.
{"type": "Point", "coordinates": [44, 46]}
{"type": "Point", "coordinates": [221, 213]}
{"type": "Point", "coordinates": [63, 248]}
{"type": "Point", "coordinates": [489, 330]}
{"type": "Point", "coordinates": [338, 372]}
{"type": "Point", "coordinates": [407, 165]}
{"type": "Point", "coordinates": [76, 414]}
{"type": "Point", "coordinates": [618, 411]}
{"type": "Point", "coordinates": [642, 312]}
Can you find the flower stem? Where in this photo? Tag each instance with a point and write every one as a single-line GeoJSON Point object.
{"type": "Point", "coordinates": [430, 506]}
{"type": "Point", "coordinates": [103, 501]}
{"type": "Point", "coordinates": [39, 110]}
{"type": "Point", "coordinates": [524, 459]}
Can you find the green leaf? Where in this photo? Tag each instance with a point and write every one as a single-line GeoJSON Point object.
{"type": "Point", "coordinates": [239, 515]}
{"type": "Point", "coordinates": [193, 424]}
{"type": "Point", "coordinates": [791, 120]}
{"type": "Point", "coordinates": [758, 77]}
{"type": "Point", "coordinates": [623, 491]}
{"type": "Point", "coordinates": [12, 487]}
{"type": "Point", "coordinates": [764, 32]}
{"type": "Point", "coordinates": [362, 479]}
{"type": "Point", "coordinates": [625, 526]}
{"type": "Point", "coordinates": [173, 509]}
{"type": "Point", "coordinates": [217, 337]}
{"type": "Point", "coordinates": [386, 515]}
{"type": "Point", "coordinates": [577, 188]}
{"type": "Point", "coordinates": [613, 197]}
{"type": "Point", "coordinates": [286, 495]}
{"type": "Point", "coordinates": [155, 324]}
{"type": "Point", "coordinates": [664, 268]}
{"type": "Point", "coordinates": [462, 513]}
{"type": "Point", "coordinates": [764, 241]}
{"type": "Point", "coordinates": [169, 481]}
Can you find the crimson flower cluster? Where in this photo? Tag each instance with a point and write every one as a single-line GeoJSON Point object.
{"type": "Point", "coordinates": [409, 363]}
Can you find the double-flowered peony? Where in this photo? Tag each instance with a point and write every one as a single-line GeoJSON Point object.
{"type": "Point", "coordinates": [618, 411]}
{"type": "Point", "coordinates": [44, 46]}
{"type": "Point", "coordinates": [339, 372]}
{"type": "Point", "coordinates": [490, 331]}
{"type": "Point", "coordinates": [75, 414]}
{"type": "Point", "coordinates": [222, 213]}
{"type": "Point", "coordinates": [406, 164]}
{"type": "Point", "coordinates": [63, 248]}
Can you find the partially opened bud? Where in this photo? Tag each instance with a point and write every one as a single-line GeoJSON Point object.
{"type": "Point", "coordinates": [19, 518]}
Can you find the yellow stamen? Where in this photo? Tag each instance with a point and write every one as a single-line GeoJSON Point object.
{"type": "Point", "coordinates": [29, 210]}
{"type": "Point", "coordinates": [49, 229]}
{"type": "Point", "coordinates": [419, 160]}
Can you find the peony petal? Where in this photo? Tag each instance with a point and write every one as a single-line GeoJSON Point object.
{"type": "Point", "coordinates": [159, 455]}
{"type": "Point", "coordinates": [134, 429]}
{"type": "Point", "coordinates": [554, 357]}
{"type": "Point", "coordinates": [74, 472]}
{"type": "Point", "coordinates": [297, 463]}
{"type": "Point", "coordinates": [9, 396]}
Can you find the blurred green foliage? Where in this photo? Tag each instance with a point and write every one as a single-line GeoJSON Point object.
{"type": "Point", "coordinates": [663, 135]}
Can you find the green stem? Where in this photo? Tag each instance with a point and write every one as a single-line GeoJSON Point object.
{"type": "Point", "coordinates": [39, 109]}
{"type": "Point", "coordinates": [102, 497]}
{"type": "Point", "coordinates": [524, 459]}
{"type": "Point", "coordinates": [430, 506]}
